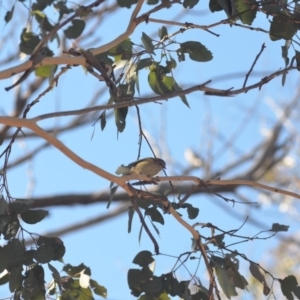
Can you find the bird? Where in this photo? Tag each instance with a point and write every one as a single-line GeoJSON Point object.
{"type": "Point", "coordinates": [36, 59]}
{"type": "Point", "coordinates": [148, 166]}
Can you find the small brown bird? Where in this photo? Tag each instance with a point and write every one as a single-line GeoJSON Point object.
{"type": "Point", "coordinates": [149, 166]}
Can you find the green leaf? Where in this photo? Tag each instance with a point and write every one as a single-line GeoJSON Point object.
{"type": "Point", "coordinates": [120, 118]}
{"type": "Point", "coordinates": [171, 64]}
{"type": "Point", "coordinates": [135, 281]}
{"type": "Point", "coordinates": [103, 120]}
{"type": "Point", "coordinates": [34, 284]}
{"type": "Point", "coordinates": [3, 259]}
{"type": "Point", "coordinates": [215, 6]}
{"type": "Point", "coordinates": [185, 291]}
{"type": "Point", "coordinates": [297, 54]}
{"type": "Point", "coordinates": [73, 290]}
{"type": "Point", "coordinates": [172, 285]}
{"type": "Point", "coordinates": [225, 282]}
{"type": "Point", "coordinates": [11, 228]}
{"type": "Point", "coordinates": [282, 28]}
{"type": "Point", "coordinates": [271, 7]}
{"type": "Point", "coordinates": [4, 220]}
{"type": "Point", "coordinates": [247, 10]}
{"type": "Point", "coordinates": [103, 57]}
{"type": "Point", "coordinates": [229, 8]}
{"type": "Point", "coordinates": [190, 3]}
{"type": "Point", "coordinates": [56, 276]}
{"type": "Point", "coordinates": [296, 291]}
{"type": "Point", "coordinates": [192, 211]}
{"type": "Point", "coordinates": [140, 233]}
{"type": "Point", "coordinates": [130, 217]}
{"type": "Point", "coordinates": [255, 271]}
{"type": "Point", "coordinates": [34, 216]}
{"type": "Point", "coordinates": [143, 63]}
{"type": "Point", "coordinates": [43, 21]}
{"type": "Point", "coordinates": [13, 253]}
{"type": "Point", "coordinates": [15, 278]}
{"type": "Point", "coordinates": [28, 257]}
{"type": "Point", "coordinates": [126, 91]}
{"type": "Point", "coordinates": [151, 2]}
{"type": "Point", "coordinates": [147, 42]}
{"type": "Point", "coordinates": [183, 98]}
{"type": "Point", "coordinates": [9, 14]}
{"type": "Point", "coordinates": [74, 271]}
{"type": "Point", "coordinates": [288, 285]}
{"type": "Point", "coordinates": [153, 286]}
{"type": "Point", "coordinates": [3, 206]}
{"type": "Point", "coordinates": [98, 289]}
{"type": "Point", "coordinates": [20, 205]}
{"type": "Point", "coordinates": [216, 261]}
{"type": "Point", "coordinates": [126, 3]}
{"type": "Point", "coordinates": [279, 227]}
{"type": "Point", "coordinates": [29, 41]}
{"type": "Point", "coordinates": [155, 215]}
{"type": "Point", "coordinates": [143, 258]}
{"type": "Point", "coordinates": [284, 53]}
{"type": "Point", "coordinates": [144, 204]}
{"type": "Point", "coordinates": [41, 4]}
{"type": "Point", "coordinates": [4, 279]}
{"type": "Point", "coordinates": [196, 51]}
{"type": "Point", "coordinates": [113, 190]}
{"type": "Point", "coordinates": [75, 30]}
{"type": "Point", "coordinates": [155, 228]}
{"type": "Point", "coordinates": [62, 8]}
{"type": "Point", "coordinates": [162, 32]}
{"type": "Point", "coordinates": [55, 242]}
{"type": "Point", "coordinates": [18, 292]}
{"type": "Point", "coordinates": [44, 254]}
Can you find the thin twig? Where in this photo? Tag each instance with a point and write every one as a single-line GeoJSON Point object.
{"type": "Point", "coordinates": [139, 101]}
{"type": "Point", "coordinates": [235, 182]}
{"type": "Point", "coordinates": [140, 130]}
{"type": "Point", "coordinates": [156, 247]}
{"type": "Point", "coordinates": [255, 61]}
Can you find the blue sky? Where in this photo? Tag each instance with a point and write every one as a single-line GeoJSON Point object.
{"type": "Point", "coordinates": [107, 248]}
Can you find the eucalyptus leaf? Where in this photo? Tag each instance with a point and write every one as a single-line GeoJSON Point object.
{"type": "Point", "coordinates": [75, 30]}
{"type": "Point", "coordinates": [282, 28]}
{"type": "Point", "coordinates": [190, 3]}
{"type": "Point", "coordinates": [196, 51]}
{"type": "Point", "coordinates": [162, 32]}
{"type": "Point", "coordinates": [103, 120]}
{"type": "Point", "coordinates": [9, 14]}
{"type": "Point", "coordinates": [130, 217]}
{"type": "Point", "coordinates": [147, 42]}
{"type": "Point", "coordinates": [155, 215]}
{"type": "Point", "coordinates": [98, 289]}
{"type": "Point", "coordinates": [143, 258]}
{"type": "Point", "coordinates": [126, 3]}
{"type": "Point", "coordinates": [247, 10]}
{"type": "Point", "coordinates": [34, 216]}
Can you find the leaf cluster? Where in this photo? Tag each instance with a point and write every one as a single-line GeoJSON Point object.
{"type": "Point", "coordinates": [23, 268]}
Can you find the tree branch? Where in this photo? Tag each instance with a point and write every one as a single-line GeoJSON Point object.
{"type": "Point", "coordinates": [80, 60]}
